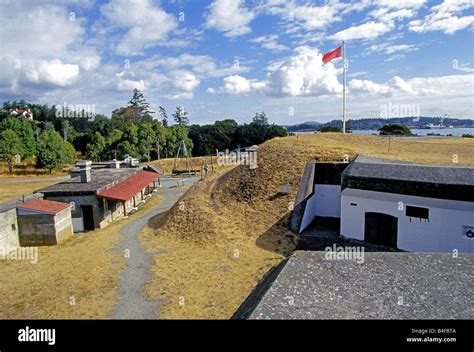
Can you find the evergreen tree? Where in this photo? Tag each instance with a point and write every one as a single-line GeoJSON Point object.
{"type": "Point", "coordinates": [180, 116]}
{"type": "Point", "coordinates": [164, 116]}
{"type": "Point", "coordinates": [138, 101]}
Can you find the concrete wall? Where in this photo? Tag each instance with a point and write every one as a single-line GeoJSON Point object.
{"type": "Point", "coordinates": [444, 232]}
{"type": "Point", "coordinates": [328, 201]}
{"type": "Point", "coordinates": [304, 191]}
{"type": "Point", "coordinates": [97, 207]}
{"type": "Point", "coordinates": [9, 229]}
{"type": "Point", "coordinates": [40, 229]}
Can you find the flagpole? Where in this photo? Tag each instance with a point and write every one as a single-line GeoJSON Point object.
{"type": "Point", "coordinates": [344, 89]}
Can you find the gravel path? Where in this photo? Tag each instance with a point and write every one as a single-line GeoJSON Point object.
{"type": "Point", "coordinates": [132, 303]}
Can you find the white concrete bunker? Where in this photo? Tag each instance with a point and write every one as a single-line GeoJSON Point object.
{"type": "Point", "coordinates": [411, 207]}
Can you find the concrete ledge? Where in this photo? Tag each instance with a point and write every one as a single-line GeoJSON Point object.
{"type": "Point", "coordinates": [305, 190]}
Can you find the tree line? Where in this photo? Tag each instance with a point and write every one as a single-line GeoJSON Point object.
{"type": "Point", "coordinates": [57, 134]}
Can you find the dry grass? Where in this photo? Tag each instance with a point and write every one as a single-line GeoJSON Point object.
{"type": "Point", "coordinates": [15, 190]}
{"type": "Point", "coordinates": [196, 163]}
{"type": "Point", "coordinates": [27, 168]}
{"type": "Point", "coordinates": [233, 228]}
{"type": "Point", "coordinates": [85, 269]}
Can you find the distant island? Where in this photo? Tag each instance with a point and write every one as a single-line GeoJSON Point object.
{"type": "Point", "coordinates": [421, 122]}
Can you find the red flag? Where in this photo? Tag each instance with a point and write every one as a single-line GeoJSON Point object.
{"type": "Point", "coordinates": [332, 55]}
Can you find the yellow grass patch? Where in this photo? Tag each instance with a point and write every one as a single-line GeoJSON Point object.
{"type": "Point", "coordinates": [84, 271]}
{"type": "Point", "coordinates": [15, 190]}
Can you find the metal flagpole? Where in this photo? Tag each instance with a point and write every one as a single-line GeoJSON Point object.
{"type": "Point", "coordinates": [344, 89]}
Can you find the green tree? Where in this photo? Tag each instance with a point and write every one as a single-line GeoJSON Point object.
{"type": "Point", "coordinates": [164, 116]}
{"type": "Point", "coordinates": [10, 147]}
{"type": "Point", "coordinates": [70, 152]}
{"type": "Point", "coordinates": [176, 134]}
{"type": "Point", "coordinates": [139, 102]}
{"type": "Point", "coordinates": [95, 149]}
{"type": "Point", "coordinates": [24, 130]}
{"type": "Point", "coordinates": [180, 116]}
{"type": "Point", "coordinates": [147, 138]}
{"type": "Point", "coordinates": [395, 129]}
{"type": "Point", "coordinates": [52, 154]}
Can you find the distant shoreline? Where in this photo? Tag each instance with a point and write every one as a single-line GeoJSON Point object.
{"type": "Point", "coordinates": [455, 132]}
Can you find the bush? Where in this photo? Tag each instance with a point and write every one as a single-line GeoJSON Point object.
{"type": "Point", "coordinates": [395, 129]}
{"type": "Point", "coordinates": [330, 128]}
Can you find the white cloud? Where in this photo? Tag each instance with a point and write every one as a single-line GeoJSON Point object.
{"type": "Point", "coordinates": [303, 74]}
{"type": "Point", "coordinates": [126, 81]}
{"type": "Point", "coordinates": [184, 81]}
{"type": "Point", "coordinates": [368, 30]}
{"type": "Point", "coordinates": [394, 87]}
{"type": "Point", "coordinates": [147, 25]}
{"type": "Point", "coordinates": [387, 48]}
{"type": "Point", "coordinates": [444, 17]}
{"type": "Point", "coordinates": [237, 85]}
{"type": "Point", "coordinates": [230, 17]}
{"type": "Point", "coordinates": [53, 72]}
{"type": "Point", "coordinates": [401, 4]}
{"type": "Point", "coordinates": [269, 42]}
{"type": "Point", "coordinates": [203, 66]}
{"type": "Point", "coordinates": [366, 86]}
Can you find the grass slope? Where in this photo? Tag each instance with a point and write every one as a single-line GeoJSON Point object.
{"type": "Point", "coordinates": [213, 247]}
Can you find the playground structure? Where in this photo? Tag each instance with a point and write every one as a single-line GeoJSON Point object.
{"type": "Point", "coordinates": [187, 168]}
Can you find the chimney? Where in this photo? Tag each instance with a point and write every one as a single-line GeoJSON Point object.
{"type": "Point", "coordinates": [84, 170]}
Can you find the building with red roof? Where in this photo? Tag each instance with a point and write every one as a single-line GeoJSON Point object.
{"type": "Point", "coordinates": [104, 192]}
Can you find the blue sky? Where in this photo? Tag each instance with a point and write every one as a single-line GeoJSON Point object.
{"type": "Point", "coordinates": [231, 58]}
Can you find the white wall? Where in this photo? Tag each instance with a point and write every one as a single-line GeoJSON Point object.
{"type": "Point", "coordinates": [78, 224]}
{"type": "Point", "coordinates": [325, 201]}
{"type": "Point", "coordinates": [442, 233]}
{"type": "Point", "coordinates": [328, 200]}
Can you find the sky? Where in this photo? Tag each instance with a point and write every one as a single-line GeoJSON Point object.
{"type": "Point", "coordinates": [232, 58]}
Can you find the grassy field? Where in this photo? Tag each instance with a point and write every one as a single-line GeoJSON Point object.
{"type": "Point", "coordinates": [84, 271]}
{"type": "Point", "coordinates": [232, 228]}
{"type": "Point", "coordinates": [15, 190]}
{"type": "Point", "coordinates": [27, 168]}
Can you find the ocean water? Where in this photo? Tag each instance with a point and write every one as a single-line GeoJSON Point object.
{"type": "Point", "coordinates": [424, 132]}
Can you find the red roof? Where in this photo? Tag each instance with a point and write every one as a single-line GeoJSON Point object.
{"type": "Point", "coordinates": [45, 206]}
{"type": "Point", "coordinates": [125, 190]}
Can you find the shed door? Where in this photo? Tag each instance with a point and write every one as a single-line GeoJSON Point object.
{"type": "Point", "coordinates": [88, 216]}
{"type": "Point", "coordinates": [381, 229]}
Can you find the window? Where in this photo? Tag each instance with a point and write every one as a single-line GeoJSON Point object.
{"type": "Point", "coordinates": [417, 212]}
{"type": "Point", "coordinates": [353, 204]}
{"type": "Point", "coordinates": [13, 227]}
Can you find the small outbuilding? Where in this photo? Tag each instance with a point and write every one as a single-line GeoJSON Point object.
{"type": "Point", "coordinates": [44, 223]}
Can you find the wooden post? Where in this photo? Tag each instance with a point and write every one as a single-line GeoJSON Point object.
{"type": "Point", "coordinates": [141, 192]}
{"type": "Point", "coordinates": [124, 209]}
{"type": "Point", "coordinates": [134, 201]}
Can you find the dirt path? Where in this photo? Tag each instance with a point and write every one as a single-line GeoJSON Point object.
{"type": "Point", "coordinates": [132, 303]}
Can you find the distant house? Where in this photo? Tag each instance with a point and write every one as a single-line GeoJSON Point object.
{"type": "Point", "coordinates": [407, 206]}
{"type": "Point", "coordinates": [27, 114]}
{"type": "Point", "coordinates": [99, 196]}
